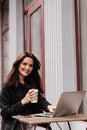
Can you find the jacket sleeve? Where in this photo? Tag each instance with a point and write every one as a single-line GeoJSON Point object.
{"type": "Point", "coordinates": [8, 110]}
{"type": "Point", "coordinates": [43, 102]}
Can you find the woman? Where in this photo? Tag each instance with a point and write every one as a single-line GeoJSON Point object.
{"type": "Point", "coordinates": [15, 97]}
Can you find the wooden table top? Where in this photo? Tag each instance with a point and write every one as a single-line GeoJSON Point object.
{"type": "Point", "coordinates": [41, 120]}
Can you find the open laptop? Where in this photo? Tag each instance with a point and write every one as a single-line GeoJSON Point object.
{"type": "Point", "coordinates": [68, 104]}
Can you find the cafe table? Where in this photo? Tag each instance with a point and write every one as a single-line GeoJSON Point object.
{"type": "Point", "coordinates": [34, 120]}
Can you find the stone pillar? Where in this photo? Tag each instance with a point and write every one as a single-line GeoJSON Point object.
{"type": "Point", "coordinates": [60, 59]}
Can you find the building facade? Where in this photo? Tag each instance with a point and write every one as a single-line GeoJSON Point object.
{"type": "Point", "coordinates": [55, 31]}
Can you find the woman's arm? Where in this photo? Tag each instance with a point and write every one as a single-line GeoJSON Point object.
{"type": "Point", "coordinates": [45, 105]}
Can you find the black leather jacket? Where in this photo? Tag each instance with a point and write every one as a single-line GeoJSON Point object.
{"type": "Point", "coordinates": [10, 104]}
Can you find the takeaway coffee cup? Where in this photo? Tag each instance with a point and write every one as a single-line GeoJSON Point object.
{"type": "Point", "coordinates": [36, 100]}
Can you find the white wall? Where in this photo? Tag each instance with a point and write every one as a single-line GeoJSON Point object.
{"type": "Point", "coordinates": [79, 125]}
{"type": "Point", "coordinates": [68, 45]}
{"type": "Point", "coordinates": [15, 29]}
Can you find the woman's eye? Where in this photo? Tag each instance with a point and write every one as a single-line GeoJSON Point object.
{"type": "Point", "coordinates": [31, 65]}
{"type": "Point", "coordinates": [24, 64]}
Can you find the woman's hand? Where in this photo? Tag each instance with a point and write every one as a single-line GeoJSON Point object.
{"type": "Point", "coordinates": [30, 96]}
{"type": "Point", "coordinates": [51, 108]}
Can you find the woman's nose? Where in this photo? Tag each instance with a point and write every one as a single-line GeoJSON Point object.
{"type": "Point", "coordinates": [27, 67]}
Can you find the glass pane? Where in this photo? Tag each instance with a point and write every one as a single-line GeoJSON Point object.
{"type": "Point", "coordinates": [27, 2]}
{"type": "Point", "coordinates": [5, 45]}
{"type": "Point", "coordinates": [36, 33]}
{"type": "Point", "coordinates": [6, 54]}
{"type": "Point", "coordinates": [26, 32]}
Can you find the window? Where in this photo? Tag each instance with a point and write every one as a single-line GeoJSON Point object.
{"type": "Point", "coordinates": [34, 31]}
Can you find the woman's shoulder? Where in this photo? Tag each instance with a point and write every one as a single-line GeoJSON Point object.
{"type": "Point", "coordinates": [5, 89]}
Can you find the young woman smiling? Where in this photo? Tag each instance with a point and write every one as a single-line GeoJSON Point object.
{"type": "Point", "coordinates": [15, 97]}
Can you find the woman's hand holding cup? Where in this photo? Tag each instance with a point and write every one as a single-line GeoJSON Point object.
{"type": "Point", "coordinates": [31, 96]}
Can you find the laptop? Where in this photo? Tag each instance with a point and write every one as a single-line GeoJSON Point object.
{"type": "Point", "coordinates": [68, 104]}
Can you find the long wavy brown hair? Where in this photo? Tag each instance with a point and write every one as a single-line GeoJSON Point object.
{"type": "Point", "coordinates": [13, 76]}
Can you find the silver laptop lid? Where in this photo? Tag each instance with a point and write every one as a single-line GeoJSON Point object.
{"type": "Point", "coordinates": [69, 103]}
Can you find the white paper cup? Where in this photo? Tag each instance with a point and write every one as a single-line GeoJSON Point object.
{"type": "Point", "coordinates": [36, 100]}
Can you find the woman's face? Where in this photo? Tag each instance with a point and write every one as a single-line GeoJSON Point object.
{"type": "Point", "coordinates": [26, 67]}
